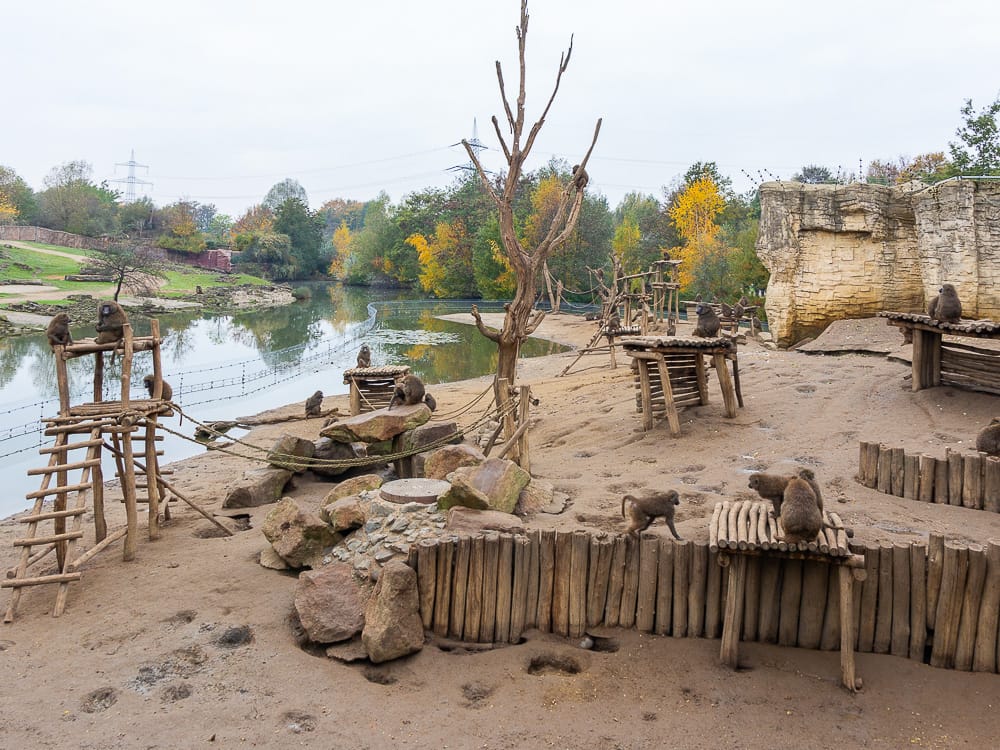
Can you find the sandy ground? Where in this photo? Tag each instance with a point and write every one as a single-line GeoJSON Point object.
{"type": "Point", "coordinates": [150, 654]}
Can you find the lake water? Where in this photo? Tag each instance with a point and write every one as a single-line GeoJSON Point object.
{"type": "Point", "coordinates": [228, 366]}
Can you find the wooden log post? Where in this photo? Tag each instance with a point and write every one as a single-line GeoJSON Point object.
{"type": "Point", "coordinates": [474, 589]}
{"type": "Point", "coordinates": [965, 643]}
{"type": "Point", "coordinates": [546, 569]}
{"type": "Point", "coordinates": [883, 611]}
{"type": "Point", "coordinates": [867, 470]}
{"type": "Point", "coordinates": [523, 404]}
{"type": "Point", "coordinates": [616, 582]}
{"type": "Point", "coordinates": [426, 578]}
{"type": "Point", "coordinates": [897, 467]}
{"type": "Point", "coordinates": [531, 603]}
{"type": "Point", "coordinates": [519, 591]}
{"type": "Point", "coordinates": [442, 586]}
{"type": "Point", "coordinates": [935, 563]}
{"type": "Point", "coordinates": [698, 578]}
{"type": "Point", "coordinates": [956, 473]}
{"type": "Point", "coordinates": [491, 560]}
{"type": "Point", "coordinates": [729, 649]}
{"type": "Point", "coordinates": [579, 562]}
{"type": "Point", "coordinates": [918, 601]}
{"type": "Point", "coordinates": [991, 484]}
{"type": "Point", "coordinates": [927, 469]}
{"type": "Point", "coordinates": [847, 674]}
{"type": "Point", "coordinates": [954, 571]}
{"type": "Point", "coordinates": [597, 584]}
{"type": "Point", "coordinates": [830, 638]}
{"type": "Point", "coordinates": [884, 481]}
{"type": "Point", "coordinates": [791, 600]}
{"type": "Point", "coordinates": [460, 585]}
{"type": "Point", "coordinates": [505, 588]}
{"type": "Point", "coordinates": [972, 481]}
{"type": "Point", "coordinates": [911, 476]}
{"type": "Point", "coordinates": [664, 587]}
{"type": "Point", "coordinates": [630, 589]}
{"type": "Point", "coordinates": [682, 567]}
{"type": "Point", "coordinates": [714, 605]}
{"type": "Point", "coordinates": [941, 476]}
{"type": "Point", "coordinates": [984, 657]}
{"type": "Point", "coordinates": [812, 607]}
{"type": "Point", "coordinates": [649, 561]}
{"type": "Point", "coordinates": [901, 592]}
{"type": "Point", "coordinates": [751, 600]}
{"type": "Point", "coordinates": [560, 582]}
{"type": "Point", "coordinates": [770, 599]}
{"type": "Point", "coordinates": [869, 601]}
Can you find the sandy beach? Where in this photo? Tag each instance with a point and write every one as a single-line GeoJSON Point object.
{"type": "Point", "coordinates": [190, 644]}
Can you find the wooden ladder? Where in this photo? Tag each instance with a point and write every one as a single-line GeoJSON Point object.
{"type": "Point", "coordinates": [61, 540]}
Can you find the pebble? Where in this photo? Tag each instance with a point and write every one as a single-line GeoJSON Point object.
{"type": "Point", "coordinates": [400, 524]}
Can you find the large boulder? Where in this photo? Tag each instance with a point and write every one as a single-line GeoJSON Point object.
{"type": "Point", "coordinates": [326, 449]}
{"type": "Point", "coordinates": [354, 486]}
{"type": "Point", "coordinates": [376, 426]}
{"type": "Point", "coordinates": [537, 496]}
{"type": "Point", "coordinates": [290, 452]}
{"type": "Point", "coordinates": [258, 487]}
{"type": "Point", "coordinates": [494, 484]}
{"type": "Point", "coordinates": [298, 534]}
{"type": "Point", "coordinates": [441, 462]}
{"type": "Point", "coordinates": [392, 619]}
{"type": "Point", "coordinates": [330, 603]}
{"type": "Point", "coordinates": [345, 513]}
{"type": "Point", "coordinates": [462, 520]}
{"type": "Point", "coordinates": [427, 434]}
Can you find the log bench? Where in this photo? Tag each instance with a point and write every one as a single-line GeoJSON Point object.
{"type": "Point", "coordinates": [746, 528]}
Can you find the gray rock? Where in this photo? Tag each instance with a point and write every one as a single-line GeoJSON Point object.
{"type": "Point", "coordinates": [468, 521]}
{"type": "Point", "coordinates": [493, 485]}
{"type": "Point", "coordinates": [348, 651]}
{"type": "Point", "coordinates": [330, 603]}
{"type": "Point", "coordinates": [441, 462]}
{"type": "Point", "coordinates": [345, 513]}
{"type": "Point", "coordinates": [379, 425]}
{"type": "Point", "coordinates": [392, 617]}
{"type": "Point", "coordinates": [535, 497]}
{"type": "Point", "coordinates": [258, 487]}
{"type": "Point", "coordinates": [287, 449]}
{"type": "Point", "coordinates": [297, 534]}
{"type": "Point", "coordinates": [329, 450]}
{"type": "Point", "coordinates": [353, 486]}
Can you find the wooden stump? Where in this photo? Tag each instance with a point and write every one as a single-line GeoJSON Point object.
{"type": "Point", "coordinates": [884, 481]}
{"type": "Point", "coordinates": [630, 589]}
{"type": "Point", "coordinates": [911, 476]}
{"type": "Point", "coordinates": [491, 560]}
{"type": "Point", "coordinates": [770, 600]}
{"type": "Point", "coordinates": [546, 568]}
{"type": "Point", "coordinates": [830, 639]}
{"type": "Point", "coordinates": [972, 481]}
{"type": "Point", "coordinates": [426, 578]}
{"type": "Point", "coordinates": [935, 562]}
{"type": "Point", "coordinates": [519, 592]}
{"type": "Point", "coordinates": [991, 484]}
{"type": "Point", "coordinates": [729, 650]}
{"type": "Point", "coordinates": [751, 600]}
{"type": "Point", "coordinates": [813, 604]}
{"type": "Point", "coordinates": [791, 600]}
{"type": "Point", "coordinates": [597, 584]}
{"type": "Point", "coordinates": [869, 601]}
{"type": "Point", "coordinates": [531, 603]}
{"type": "Point", "coordinates": [616, 582]}
{"type": "Point", "coordinates": [965, 643]}
{"type": "Point", "coordinates": [442, 586]}
{"type": "Point", "coordinates": [918, 601]}
{"type": "Point", "coordinates": [474, 590]}
{"type": "Point", "coordinates": [897, 468]}
{"type": "Point", "coordinates": [900, 640]}
{"type": "Point", "coordinates": [985, 653]}
{"type": "Point", "coordinates": [505, 587]}
{"type": "Point", "coordinates": [696, 589]}
{"type": "Point", "coordinates": [713, 596]}
{"type": "Point", "coordinates": [954, 571]}
{"type": "Point", "coordinates": [579, 560]}
{"type": "Point", "coordinates": [460, 586]}
{"type": "Point", "coordinates": [956, 472]}
{"type": "Point", "coordinates": [649, 561]}
{"type": "Point", "coordinates": [928, 470]}
{"type": "Point", "coordinates": [883, 612]}
{"type": "Point", "coordinates": [941, 476]}
{"type": "Point", "coordinates": [664, 587]}
{"type": "Point", "coordinates": [560, 582]}
{"type": "Point", "coordinates": [682, 565]}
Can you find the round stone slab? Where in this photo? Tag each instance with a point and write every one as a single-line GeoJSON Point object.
{"type": "Point", "coordinates": [424, 491]}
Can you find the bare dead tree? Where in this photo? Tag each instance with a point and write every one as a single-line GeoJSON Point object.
{"type": "Point", "coordinates": [520, 319]}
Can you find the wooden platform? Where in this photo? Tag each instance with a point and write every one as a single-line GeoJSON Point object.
{"type": "Point", "coordinates": [938, 362]}
{"type": "Point", "coordinates": [372, 387]}
{"type": "Point", "coordinates": [746, 528]}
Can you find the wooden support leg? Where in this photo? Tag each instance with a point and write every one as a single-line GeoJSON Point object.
{"type": "Point", "coordinates": [673, 419]}
{"type": "Point", "coordinates": [726, 384]}
{"type": "Point", "coordinates": [736, 378]}
{"type": "Point", "coordinates": [732, 624]}
{"type": "Point", "coordinates": [702, 377]}
{"type": "Point", "coordinates": [645, 396]}
{"type": "Point", "coordinates": [847, 676]}
{"type": "Point", "coordinates": [917, 365]}
{"type": "Point", "coordinates": [152, 486]}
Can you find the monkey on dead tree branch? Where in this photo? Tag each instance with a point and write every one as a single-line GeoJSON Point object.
{"type": "Point", "coordinates": [521, 319]}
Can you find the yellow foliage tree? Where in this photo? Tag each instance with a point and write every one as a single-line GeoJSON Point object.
{"type": "Point", "coordinates": [625, 245]}
{"type": "Point", "coordinates": [544, 203]}
{"type": "Point", "coordinates": [445, 259]}
{"type": "Point", "coordinates": [341, 242]}
{"type": "Point", "coordinates": [694, 216]}
{"type": "Point", "coordinates": [8, 211]}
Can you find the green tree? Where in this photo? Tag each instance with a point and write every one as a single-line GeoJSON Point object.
{"type": "Point", "coordinates": [814, 174]}
{"type": "Point", "coordinates": [282, 191]}
{"type": "Point", "coordinates": [71, 202]}
{"type": "Point", "coordinates": [305, 233]}
{"type": "Point", "coordinates": [978, 153]}
{"type": "Point", "coordinates": [16, 192]}
{"type": "Point", "coordinates": [369, 247]}
{"type": "Point", "coordinates": [180, 228]}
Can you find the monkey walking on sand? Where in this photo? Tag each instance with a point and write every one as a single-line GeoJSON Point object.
{"type": "Point", "coordinates": [410, 390]}
{"type": "Point", "coordinates": [57, 330]}
{"type": "Point", "coordinates": [641, 511]}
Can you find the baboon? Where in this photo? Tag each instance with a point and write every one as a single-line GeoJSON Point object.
{"type": "Point", "coordinates": [772, 487]}
{"type": "Point", "coordinates": [643, 510]}
{"type": "Point", "coordinates": [197, 289]}
{"type": "Point", "coordinates": [945, 307]}
{"type": "Point", "coordinates": [364, 356]}
{"type": "Point", "coordinates": [167, 393]}
{"type": "Point", "coordinates": [111, 320]}
{"type": "Point", "coordinates": [614, 323]}
{"type": "Point", "coordinates": [988, 439]}
{"type": "Point", "coordinates": [58, 330]}
{"type": "Point", "coordinates": [314, 404]}
{"type": "Point", "coordinates": [708, 322]}
{"type": "Point", "coordinates": [410, 390]}
{"type": "Point", "coordinates": [744, 302]}
{"type": "Point", "coordinates": [580, 177]}
{"type": "Point", "coordinates": [800, 514]}
{"type": "Point", "coordinates": [727, 311]}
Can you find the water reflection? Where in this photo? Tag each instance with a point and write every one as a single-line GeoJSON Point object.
{"type": "Point", "coordinates": [226, 366]}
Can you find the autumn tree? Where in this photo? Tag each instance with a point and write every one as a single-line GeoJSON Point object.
{"type": "Point", "coordinates": [694, 214]}
{"type": "Point", "coordinates": [341, 244]}
{"type": "Point", "coordinates": [131, 265]}
{"type": "Point", "coordinates": [16, 193]}
{"type": "Point", "coordinates": [445, 260]}
{"type": "Point", "coordinates": [180, 228]}
{"type": "Point", "coordinates": [527, 262]}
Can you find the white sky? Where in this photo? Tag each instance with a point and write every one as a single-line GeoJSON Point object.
{"type": "Point", "coordinates": [223, 98]}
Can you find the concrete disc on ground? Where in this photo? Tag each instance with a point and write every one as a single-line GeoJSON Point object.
{"type": "Point", "coordinates": [425, 491]}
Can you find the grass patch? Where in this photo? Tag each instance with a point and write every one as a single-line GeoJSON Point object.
{"type": "Point", "coordinates": [18, 263]}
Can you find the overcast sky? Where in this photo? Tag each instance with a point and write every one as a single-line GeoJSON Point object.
{"type": "Point", "coordinates": [223, 98]}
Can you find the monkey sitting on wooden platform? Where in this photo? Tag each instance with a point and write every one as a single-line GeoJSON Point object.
{"type": "Point", "coordinates": [772, 487]}
{"type": "Point", "coordinates": [364, 356]}
{"type": "Point", "coordinates": [641, 511]}
{"type": "Point", "coordinates": [111, 321]}
{"type": "Point", "coordinates": [801, 516]}
{"type": "Point", "coordinates": [167, 392]}
{"type": "Point", "coordinates": [410, 390]}
{"type": "Point", "coordinates": [945, 307]}
{"type": "Point", "coordinates": [57, 330]}
{"type": "Point", "coordinates": [708, 322]}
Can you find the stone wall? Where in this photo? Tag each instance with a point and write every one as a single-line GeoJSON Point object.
{"type": "Point", "coordinates": [849, 251]}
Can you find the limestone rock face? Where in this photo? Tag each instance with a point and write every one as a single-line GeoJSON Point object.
{"type": "Point", "coordinates": [392, 619]}
{"type": "Point", "coordinates": [297, 534]}
{"type": "Point", "coordinates": [330, 603]}
{"type": "Point", "coordinates": [492, 485]}
{"type": "Point", "coordinates": [462, 520]}
{"type": "Point", "coordinates": [329, 450]}
{"type": "Point", "coordinates": [441, 462]}
{"type": "Point", "coordinates": [849, 251]}
{"type": "Point", "coordinates": [376, 426]}
{"type": "Point", "coordinates": [258, 487]}
{"type": "Point", "coordinates": [287, 449]}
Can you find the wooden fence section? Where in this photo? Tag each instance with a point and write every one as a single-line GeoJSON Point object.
{"type": "Point", "coordinates": [971, 480]}
{"type": "Point", "coordinates": [937, 604]}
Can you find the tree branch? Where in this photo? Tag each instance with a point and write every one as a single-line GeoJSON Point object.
{"type": "Point", "coordinates": [563, 64]}
{"type": "Point", "coordinates": [503, 98]}
{"type": "Point", "coordinates": [490, 333]}
{"type": "Point", "coordinates": [533, 323]}
{"type": "Point", "coordinates": [481, 172]}
{"type": "Point", "coordinates": [503, 143]}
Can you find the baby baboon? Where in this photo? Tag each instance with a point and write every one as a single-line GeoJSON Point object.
{"type": "Point", "coordinates": [772, 487]}
{"type": "Point", "coordinates": [988, 439]}
{"type": "Point", "coordinates": [580, 177]}
{"type": "Point", "coordinates": [364, 356]}
{"type": "Point", "coordinates": [641, 511]}
{"type": "Point", "coordinates": [58, 330]}
{"type": "Point", "coordinates": [800, 515]}
{"type": "Point", "coordinates": [111, 320]}
{"type": "Point", "coordinates": [167, 393]}
{"type": "Point", "coordinates": [410, 390]}
{"type": "Point", "coordinates": [314, 404]}
{"type": "Point", "coordinates": [945, 307]}
{"type": "Point", "coordinates": [708, 322]}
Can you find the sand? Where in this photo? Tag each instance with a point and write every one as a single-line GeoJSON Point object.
{"type": "Point", "coordinates": [190, 644]}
